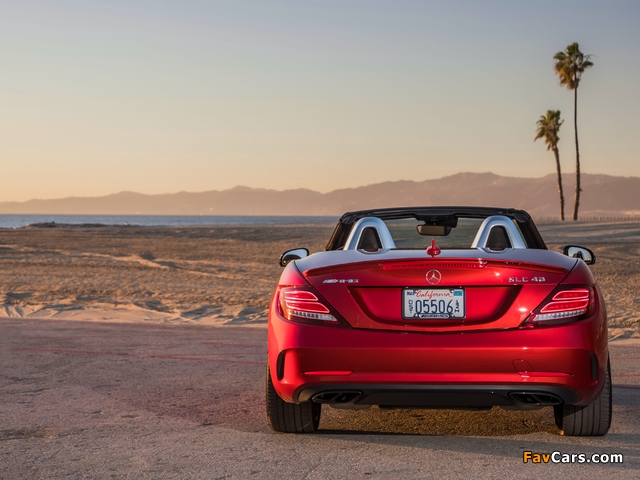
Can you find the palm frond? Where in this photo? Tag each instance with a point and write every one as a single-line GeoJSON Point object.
{"type": "Point", "coordinates": [570, 64]}
{"type": "Point", "coordinates": [548, 128]}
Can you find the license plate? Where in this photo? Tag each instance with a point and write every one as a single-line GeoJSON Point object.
{"type": "Point", "coordinates": [433, 303]}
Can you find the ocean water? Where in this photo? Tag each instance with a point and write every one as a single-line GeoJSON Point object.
{"type": "Point", "coordinates": [17, 221]}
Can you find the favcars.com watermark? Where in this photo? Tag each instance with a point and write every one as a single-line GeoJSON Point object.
{"type": "Point", "coordinates": [559, 457]}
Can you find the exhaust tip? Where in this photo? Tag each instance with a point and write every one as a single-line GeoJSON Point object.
{"type": "Point", "coordinates": [346, 396]}
{"type": "Point", "coordinates": [535, 398]}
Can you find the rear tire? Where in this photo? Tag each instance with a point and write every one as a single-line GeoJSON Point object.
{"type": "Point", "coordinates": [290, 417]}
{"type": "Point", "coordinates": [587, 420]}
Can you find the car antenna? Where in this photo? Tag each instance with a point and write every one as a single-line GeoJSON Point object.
{"type": "Point", "coordinates": [433, 250]}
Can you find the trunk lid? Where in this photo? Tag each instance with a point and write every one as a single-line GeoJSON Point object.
{"type": "Point", "coordinates": [500, 288]}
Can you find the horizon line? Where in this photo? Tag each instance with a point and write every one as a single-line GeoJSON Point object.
{"type": "Point", "coordinates": [236, 187]}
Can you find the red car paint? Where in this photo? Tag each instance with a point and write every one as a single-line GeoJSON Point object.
{"type": "Point", "coordinates": [365, 345]}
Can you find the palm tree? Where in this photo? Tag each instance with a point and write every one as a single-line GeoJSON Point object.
{"type": "Point", "coordinates": [569, 67]}
{"type": "Point", "coordinates": [548, 128]}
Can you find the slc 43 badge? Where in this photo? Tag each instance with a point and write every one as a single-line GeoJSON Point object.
{"type": "Point", "coordinates": [526, 279]}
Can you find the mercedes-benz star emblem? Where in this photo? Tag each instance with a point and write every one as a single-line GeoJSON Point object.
{"type": "Point", "coordinates": [434, 277]}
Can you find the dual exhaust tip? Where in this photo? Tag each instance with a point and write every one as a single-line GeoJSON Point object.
{"type": "Point", "coordinates": [344, 396]}
{"type": "Point", "coordinates": [537, 399]}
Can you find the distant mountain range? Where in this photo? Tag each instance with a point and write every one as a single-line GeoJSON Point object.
{"type": "Point", "coordinates": [602, 195]}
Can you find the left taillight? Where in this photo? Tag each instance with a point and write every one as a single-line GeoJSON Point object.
{"type": "Point", "coordinates": [566, 305]}
{"type": "Point", "coordinates": [300, 304]}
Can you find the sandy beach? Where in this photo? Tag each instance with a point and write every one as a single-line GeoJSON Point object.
{"type": "Point", "coordinates": [163, 396]}
{"type": "Point", "coordinates": [225, 275]}
{"type": "Point", "coordinates": [205, 275]}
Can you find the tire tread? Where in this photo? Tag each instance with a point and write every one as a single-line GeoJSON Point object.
{"type": "Point", "coordinates": [587, 420]}
{"type": "Point", "coordinates": [290, 417]}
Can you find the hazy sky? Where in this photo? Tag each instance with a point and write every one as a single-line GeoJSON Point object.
{"type": "Point", "coordinates": [161, 96]}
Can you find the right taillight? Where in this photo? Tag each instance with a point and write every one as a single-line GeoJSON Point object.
{"type": "Point", "coordinates": [299, 304]}
{"type": "Point", "coordinates": [564, 306]}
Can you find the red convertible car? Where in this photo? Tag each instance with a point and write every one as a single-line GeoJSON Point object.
{"type": "Point", "coordinates": [438, 307]}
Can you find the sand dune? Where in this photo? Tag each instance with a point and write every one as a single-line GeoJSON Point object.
{"type": "Point", "coordinates": [225, 275]}
{"type": "Point", "coordinates": [207, 275]}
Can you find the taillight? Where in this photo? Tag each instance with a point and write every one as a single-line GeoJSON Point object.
{"type": "Point", "coordinates": [299, 304]}
{"type": "Point", "coordinates": [564, 306]}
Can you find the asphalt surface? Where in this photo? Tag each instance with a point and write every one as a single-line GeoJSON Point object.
{"type": "Point", "coordinates": [91, 400]}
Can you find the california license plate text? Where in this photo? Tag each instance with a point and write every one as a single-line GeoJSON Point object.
{"type": "Point", "coordinates": [433, 303]}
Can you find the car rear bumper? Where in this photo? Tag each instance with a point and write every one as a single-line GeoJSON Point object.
{"type": "Point", "coordinates": [564, 363]}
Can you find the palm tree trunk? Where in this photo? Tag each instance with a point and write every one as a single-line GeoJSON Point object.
{"type": "Point", "coordinates": [576, 200]}
{"type": "Point", "coordinates": [557, 154]}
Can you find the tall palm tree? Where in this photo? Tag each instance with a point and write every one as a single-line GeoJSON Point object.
{"type": "Point", "coordinates": [548, 128]}
{"type": "Point", "coordinates": [569, 66]}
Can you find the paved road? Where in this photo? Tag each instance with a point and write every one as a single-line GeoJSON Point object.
{"type": "Point", "coordinates": [145, 401]}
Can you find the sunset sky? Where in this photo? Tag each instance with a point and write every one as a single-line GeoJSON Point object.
{"type": "Point", "coordinates": [160, 96]}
